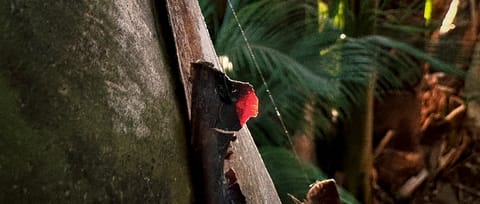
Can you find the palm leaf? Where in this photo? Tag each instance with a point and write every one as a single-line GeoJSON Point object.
{"type": "Point", "coordinates": [301, 64]}
{"type": "Point", "coordinates": [293, 177]}
{"type": "Point", "coordinates": [275, 49]}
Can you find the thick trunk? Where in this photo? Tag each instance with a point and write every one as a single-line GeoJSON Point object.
{"type": "Point", "coordinates": [88, 111]}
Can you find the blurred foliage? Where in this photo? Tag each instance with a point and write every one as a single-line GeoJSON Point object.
{"type": "Point", "coordinates": [292, 177]}
{"type": "Point", "coordinates": [306, 58]}
{"type": "Point", "coordinates": [301, 64]}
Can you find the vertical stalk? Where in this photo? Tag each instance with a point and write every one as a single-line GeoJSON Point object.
{"type": "Point", "coordinates": [472, 89]}
{"type": "Point", "coordinates": [359, 158]}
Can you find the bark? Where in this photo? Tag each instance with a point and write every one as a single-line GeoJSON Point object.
{"type": "Point", "coordinates": [88, 110]}
{"type": "Point", "coordinates": [193, 43]}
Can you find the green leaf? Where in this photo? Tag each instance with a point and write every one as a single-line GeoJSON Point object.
{"type": "Point", "coordinates": [291, 176]}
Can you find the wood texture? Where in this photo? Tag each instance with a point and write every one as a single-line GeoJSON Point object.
{"type": "Point", "coordinates": [193, 44]}
{"type": "Point", "coordinates": [214, 123]}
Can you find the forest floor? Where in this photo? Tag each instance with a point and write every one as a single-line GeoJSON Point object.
{"type": "Point", "coordinates": [457, 183]}
{"type": "Point", "coordinates": [442, 161]}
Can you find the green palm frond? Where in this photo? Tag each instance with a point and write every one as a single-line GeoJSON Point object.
{"type": "Point", "coordinates": [396, 64]}
{"type": "Point", "coordinates": [281, 58]}
{"type": "Point", "coordinates": [301, 64]}
{"type": "Point", "coordinates": [293, 177]}
{"type": "Point", "coordinates": [436, 64]}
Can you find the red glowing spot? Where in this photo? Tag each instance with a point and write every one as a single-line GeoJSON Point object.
{"type": "Point", "coordinates": [247, 106]}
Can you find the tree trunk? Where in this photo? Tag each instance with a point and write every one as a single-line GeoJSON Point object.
{"type": "Point", "coordinates": [193, 43]}
{"type": "Point", "coordinates": [88, 110]}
